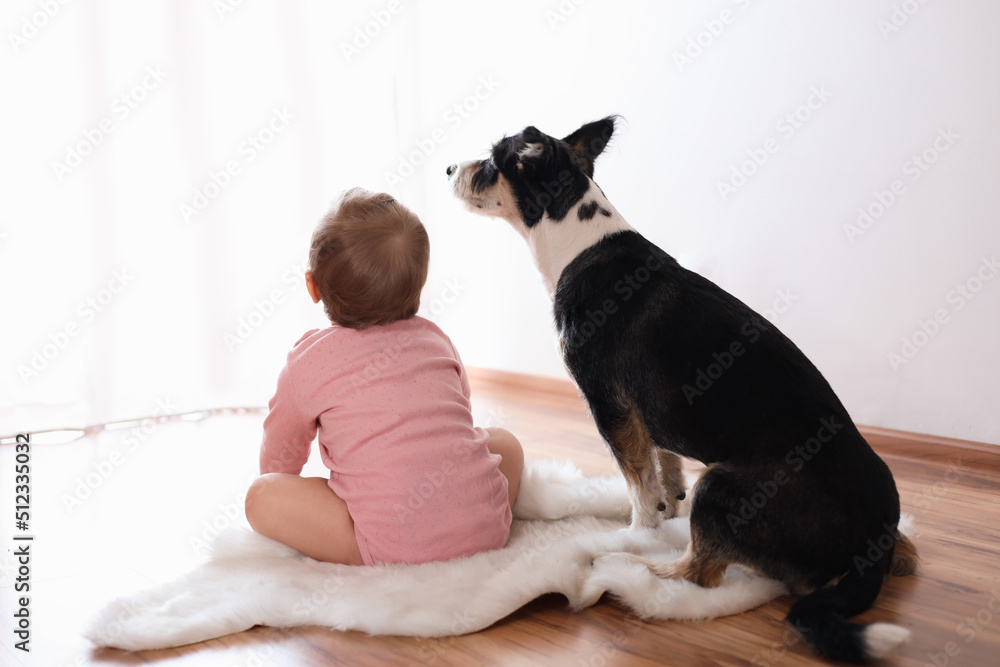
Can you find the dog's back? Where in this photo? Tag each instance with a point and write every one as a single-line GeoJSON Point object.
{"type": "Point", "coordinates": [793, 490]}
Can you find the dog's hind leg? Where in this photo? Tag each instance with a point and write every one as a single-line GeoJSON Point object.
{"type": "Point", "coordinates": [708, 553]}
{"type": "Point", "coordinates": [672, 480]}
{"type": "Point", "coordinates": [645, 492]}
{"type": "Point", "coordinates": [697, 567]}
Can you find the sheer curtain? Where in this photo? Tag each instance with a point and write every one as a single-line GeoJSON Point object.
{"type": "Point", "coordinates": [163, 164]}
{"type": "Point", "coordinates": [163, 167]}
{"type": "Point", "coordinates": [168, 162]}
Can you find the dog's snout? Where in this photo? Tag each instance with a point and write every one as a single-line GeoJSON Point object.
{"type": "Point", "coordinates": [452, 168]}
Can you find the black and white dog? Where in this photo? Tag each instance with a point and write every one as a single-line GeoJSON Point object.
{"type": "Point", "coordinates": [672, 365]}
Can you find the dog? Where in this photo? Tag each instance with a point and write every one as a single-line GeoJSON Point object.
{"type": "Point", "coordinates": [671, 366]}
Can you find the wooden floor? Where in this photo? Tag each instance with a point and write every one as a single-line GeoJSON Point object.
{"type": "Point", "coordinates": [100, 534]}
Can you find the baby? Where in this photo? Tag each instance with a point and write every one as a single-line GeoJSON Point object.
{"type": "Point", "coordinates": [411, 479]}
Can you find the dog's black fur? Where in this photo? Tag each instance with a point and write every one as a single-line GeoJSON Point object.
{"type": "Point", "coordinates": [667, 360]}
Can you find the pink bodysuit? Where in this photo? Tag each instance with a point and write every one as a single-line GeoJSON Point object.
{"type": "Point", "coordinates": [391, 404]}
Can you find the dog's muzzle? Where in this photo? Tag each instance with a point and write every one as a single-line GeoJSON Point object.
{"type": "Point", "coordinates": [451, 169]}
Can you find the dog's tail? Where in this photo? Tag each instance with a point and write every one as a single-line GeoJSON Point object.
{"type": "Point", "coordinates": [821, 617]}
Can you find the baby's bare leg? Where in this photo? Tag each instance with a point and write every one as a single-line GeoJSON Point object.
{"type": "Point", "coordinates": [504, 443]}
{"type": "Point", "coordinates": [305, 514]}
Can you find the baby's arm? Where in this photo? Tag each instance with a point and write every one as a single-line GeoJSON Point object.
{"type": "Point", "coordinates": [302, 512]}
{"type": "Point", "coordinates": [288, 434]}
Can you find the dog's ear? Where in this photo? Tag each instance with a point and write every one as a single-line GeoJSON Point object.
{"type": "Point", "coordinates": [536, 152]}
{"type": "Point", "coordinates": [590, 140]}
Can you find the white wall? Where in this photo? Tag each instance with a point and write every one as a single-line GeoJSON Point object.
{"type": "Point", "coordinates": [355, 115]}
{"type": "Point", "coordinates": [853, 298]}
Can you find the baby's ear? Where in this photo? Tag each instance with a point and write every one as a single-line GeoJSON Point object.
{"type": "Point", "coordinates": [311, 287]}
{"type": "Point", "coordinates": [590, 141]}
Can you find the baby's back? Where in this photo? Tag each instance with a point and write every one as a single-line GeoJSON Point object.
{"type": "Point", "coordinates": [396, 431]}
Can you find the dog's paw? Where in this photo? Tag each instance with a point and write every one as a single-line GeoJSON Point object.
{"type": "Point", "coordinates": [668, 508]}
{"type": "Point", "coordinates": [674, 505]}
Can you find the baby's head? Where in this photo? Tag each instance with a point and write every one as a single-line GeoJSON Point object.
{"type": "Point", "coordinates": [368, 260]}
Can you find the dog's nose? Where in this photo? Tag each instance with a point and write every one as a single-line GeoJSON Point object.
{"type": "Point", "coordinates": [452, 168]}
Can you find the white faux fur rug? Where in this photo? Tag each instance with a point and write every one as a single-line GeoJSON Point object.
{"type": "Point", "coordinates": [563, 522]}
